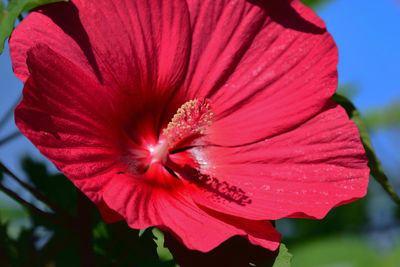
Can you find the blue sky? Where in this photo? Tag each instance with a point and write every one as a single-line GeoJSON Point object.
{"type": "Point", "coordinates": [368, 36]}
{"type": "Point", "coordinates": [366, 32]}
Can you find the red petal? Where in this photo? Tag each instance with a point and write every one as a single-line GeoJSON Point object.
{"type": "Point", "coordinates": [124, 44]}
{"type": "Point", "coordinates": [303, 173]}
{"type": "Point", "coordinates": [266, 68]}
{"type": "Point", "coordinates": [137, 56]}
{"type": "Point", "coordinates": [143, 204]}
{"type": "Point", "coordinates": [65, 113]}
{"type": "Point", "coordinates": [148, 40]}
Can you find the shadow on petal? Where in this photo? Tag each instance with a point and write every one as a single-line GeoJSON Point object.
{"type": "Point", "coordinates": [220, 189]}
{"type": "Point", "coordinates": [66, 16]}
{"type": "Point", "coordinates": [289, 15]}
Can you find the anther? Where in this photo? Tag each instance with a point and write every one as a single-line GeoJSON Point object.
{"type": "Point", "coordinates": [193, 117]}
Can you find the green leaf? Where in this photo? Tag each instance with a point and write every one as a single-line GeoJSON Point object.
{"type": "Point", "coordinates": [119, 245]}
{"type": "Point", "coordinates": [55, 187]}
{"type": "Point", "coordinates": [373, 162]}
{"type": "Point", "coordinates": [9, 16]}
{"type": "Point", "coordinates": [284, 257]}
{"type": "Point", "coordinates": [163, 253]}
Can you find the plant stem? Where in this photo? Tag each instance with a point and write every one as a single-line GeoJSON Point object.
{"type": "Point", "coordinates": [85, 231]}
{"type": "Point", "coordinates": [381, 178]}
{"type": "Point", "coordinates": [10, 137]}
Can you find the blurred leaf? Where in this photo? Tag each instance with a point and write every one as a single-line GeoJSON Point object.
{"type": "Point", "coordinates": [119, 245]}
{"type": "Point", "coordinates": [9, 15]}
{"type": "Point", "coordinates": [348, 90]}
{"type": "Point", "coordinates": [55, 187]}
{"type": "Point", "coordinates": [24, 246]}
{"type": "Point", "coordinates": [163, 253]}
{"type": "Point", "coordinates": [342, 251]}
{"type": "Point", "coordinates": [113, 245]}
{"type": "Point", "coordinates": [16, 252]}
{"type": "Point", "coordinates": [388, 116]}
{"type": "Point", "coordinates": [5, 246]}
{"type": "Point", "coordinates": [11, 212]}
{"type": "Point", "coordinates": [315, 3]}
{"type": "Point", "coordinates": [347, 218]}
{"type": "Point", "coordinates": [61, 250]}
{"type": "Point", "coordinates": [393, 259]}
{"type": "Point", "coordinates": [2, 8]}
{"type": "Point", "coordinates": [373, 162]}
{"type": "Point", "coordinates": [284, 257]}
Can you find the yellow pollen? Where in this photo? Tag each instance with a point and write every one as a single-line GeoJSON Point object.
{"type": "Point", "coordinates": [193, 117]}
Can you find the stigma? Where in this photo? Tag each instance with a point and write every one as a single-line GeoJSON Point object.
{"type": "Point", "coordinates": [192, 118]}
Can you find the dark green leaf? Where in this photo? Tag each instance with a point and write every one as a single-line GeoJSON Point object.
{"type": "Point", "coordinates": [373, 162]}
{"type": "Point", "coordinates": [9, 15]}
{"type": "Point", "coordinates": [5, 246]}
{"type": "Point", "coordinates": [57, 188]}
{"type": "Point", "coordinates": [62, 249]}
{"type": "Point", "coordinates": [113, 245]}
{"type": "Point", "coordinates": [16, 252]}
{"type": "Point", "coordinates": [284, 257]}
{"type": "Point", "coordinates": [346, 218]}
{"type": "Point", "coordinates": [119, 245]}
{"type": "Point", "coordinates": [315, 3]}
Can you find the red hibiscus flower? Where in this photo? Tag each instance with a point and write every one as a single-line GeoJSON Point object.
{"type": "Point", "coordinates": [204, 118]}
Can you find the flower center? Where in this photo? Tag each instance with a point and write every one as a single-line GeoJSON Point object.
{"type": "Point", "coordinates": [159, 153]}
{"type": "Point", "coordinates": [192, 118]}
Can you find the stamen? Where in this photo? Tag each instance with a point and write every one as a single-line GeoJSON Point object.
{"type": "Point", "coordinates": [193, 117]}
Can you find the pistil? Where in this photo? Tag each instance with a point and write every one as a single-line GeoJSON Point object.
{"type": "Point", "coordinates": [192, 118]}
